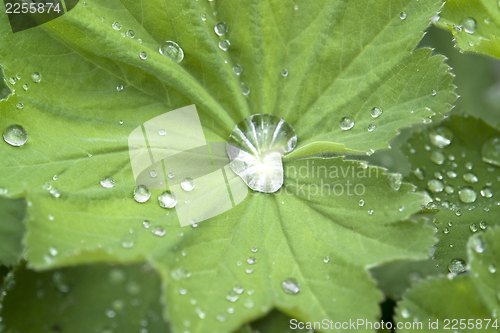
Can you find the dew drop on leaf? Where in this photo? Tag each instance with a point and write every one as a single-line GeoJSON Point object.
{"type": "Point", "coordinates": [457, 266]}
{"type": "Point", "coordinates": [224, 44]}
{"type": "Point", "coordinates": [146, 224]}
{"type": "Point", "coordinates": [167, 199]}
{"type": "Point", "coordinates": [437, 157]}
{"type": "Point", "coordinates": [477, 244]}
{"type": "Point", "coordinates": [418, 173]}
{"type": "Point", "coordinates": [143, 55]}
{"type": "Point", "coordinates": [220, 28]}
{"type": "Point", "coordinates": [108, 182]}
{"type": "Point", "coordinates": [402, 15]}
{"type": "Point", "coordinates": [467, 195]}
{"type": "Point", "coordinates": [470, 178]}
{"type": "Point", "coordinates": [141, 193]}
{"type": "Point", "coordinates": [251, 260]}
{"type": "Point", "coordinates": [55, 193]}
{"type": "Point", "coordinates": [371, 128]}
{"type": "Point", "coordinates": [449, 189]}
{"type": "Point", "coordinates": [284, 72]}
{"type": "Point", "coordinates": [346, 123]}
{"type": "Point", "coordinates": [482, 225]}
{"type": "Point", "coordinates": [237, 69]}
{"type": "Point", "coordinates": [290, 286]}
{"type": "Point", "coordinates": [394, 181]}
{"type": "Point", "coordinates": [435, 185]}
{"type": "Point", "coordinates": [492, 269]}
{"type": "Point", "coordinates": [255, 147]}
{"type": "Point", "coordinates": [119, 87]}
{"type": "Point", "coordinates": [117, 25]}
{"type": "Point", "coordinates": [491, 151]}
{"type": "Point", "coordinates": [172, 50]}
{"type": "Point", "coordinates": [486, 192]}
{"type": "Point", "coordinates": [238, 289]}
{"type": "Point", "coordinates": [451, 174]}
{"type": "Point", "coordinates": [188, 184]}
{"type": "Point", "coordinates": [441, 137]}
{"type": "Point", "coordinates": [15, 135]}
{"type": "Point", "coordinates": [376, 112]}
{"type": "Point", "coordinates": [158, 231]}
{"type": "Point", "coordinates": [405, 313]}
{"type": "Point", "coordinates": [473, 227]}
{"type": "Point", "coordinates": [25, 87]}
{"type": "Point", "coordinates": [232, 296]}
{"type": "Point", "coordinates": [361, 203]}
{"type": "Point", "coordinates": [469, 25]}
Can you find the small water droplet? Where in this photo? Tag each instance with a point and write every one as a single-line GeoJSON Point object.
{"type": "Point", "coordinates": [470, 178]}
{"type": "Point", "coordinates": [25, 87]}
{"type": "Point", "coordinates": [188, 184]}
{"type": "Point", "coordinates": [200, 313]}
{"type": "Point", "coordinates": [346, 123]}
{"type": "Point", "coordinates": [492, 269]}
{"type": "Point", "coordinates": [437, 157]}
{"type": "Point", "coordinates": [284, 72]}
{"type": "Point", "coordinates": [446, 230]}
{"type": "Point", "coordinates": [326, 259]}
{"type": "Point", "coordinates": [290, 286]}
{"type": "Point", "coordinates": [203, 16]}
{"type": "Point", "coordinates": [473, 227]}
{"type": "Point", "coordinates": [238, 289]}
{"type": "Point", "coordinates": [376, 112]}
{"type": "Point", "coordinates": [237, 69]}
{"type": "Point", "coordinates": [146, 224]}
{"type": "Point", "coordinates": [477, 244]}
{"type": "Point", "coordinates": [451, 174]}
{"type": "Point", "coordinates": [119, 87]}
{"type": "Point", "coordinates": [361, 203]}
{"type": "Point", "coordinates": [172, 50]}
{"type": "Point", "coordinates": [221, 317]}
{"type": "Point", "coordinates": [491, 151]}
{"type": "Point", "coordinates": [402, 15]}
{"type": "Point", "coordinates": [55, 193]}
{"type": "Point", "coordinates": [53, 251]}
{"type": "Point", "coordinates": [143, 55]}
{"type": "Point", "coordinates": [395, 181]}
{"type": "Point", "coordinates": [167, 199]}
{"type": "Point", "coordinates": [141, 193]}
{"type": "Point", "coordinates": [254, 249]}
{"type": "Point", "coordinates": [441, 137]}
{"type": "Point", "coordinates": [220, 28]}
{"type": "Point", "coordinates": [158, 230]}
{"type": "Point", "coordinates": [232, 296]}
{"type": "Point", "coordinates": [486, 192]}
{"type": "Point", "coordinates": [370, 212]}
{"type": "Point", "coordinates": [435, 185]}
{"type": "Point", "coordinates": [482, 225]}
{"type": "Point", "coordinates": [251, 260]}
{"type": "Point", "coordinates": [224, 44]}
{"type": "Point", "coordinates": [449, 189]}
{"type": "Point", "coordinates": [457, 266]}
{"type": "Point", "coordinates": [418, 173]}
{"type": "Point", "coordinates": [20, 105]}
{"type": "Point", "coordinates": [15, 135]}
{"type": "Point", "coordinates": [371, 128]}
{"type": "Point", "coordinates": [116, 25]}
{"type": "Point", "coordinates": [434, 93]}
{"type": "Point", "coordinates": [469, 25]}
{"type": "Point", "coordinates": [108, 182]}
{"type": "Point", "coordinates": [467, 195]}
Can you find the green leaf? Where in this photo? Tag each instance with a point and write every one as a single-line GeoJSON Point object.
{"type": "Point", "coordinates": [456, 220]}
{"type": "Point", "coordinates": [234, 266]}
{"type": "Point", "coordinates": [11, 230]}
{"type": "Point", "coordinates": [475, 79]}
{"type": "Point", "coordinates": [95, 298]}
{"type": "Point", "coordinates": [474, 24]}
{"type": "Point", "coordinates": [343, 59]}
{"type": "Point", "coordinates": [473, 298]}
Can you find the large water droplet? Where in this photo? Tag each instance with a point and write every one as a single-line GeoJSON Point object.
{"type": "Point", "coordinates": [172, 50]}
{"type": "Point", "coordinates": [36, 77]}
{"type": "Point", "coordinates": [108, 182]}
{"type": "Point", "coordinates": [167, 199]}
{"type": "Point", "coordinates": [491, 151]}
{"type": "Point", "coordinates": [290, 286]}
{"type": "Point", "coordinates": [469, 25]}
{"type": "Point", "coordinates": [441, 137]}
{"type": "Point", "coordinates": [255, 148]}
{"type": "Point", "coordinates": [346, 123]}
{"type": "Point", "coordinates": [220, 28]}
{"type": "Point", "coordinates": [15, 135]}
{"type": "Point", "coordinates": [141, 193]}
{"type": "Point", "coordinates": [467, 195]}
{"type": "Point", "coordinates": [457, 266]}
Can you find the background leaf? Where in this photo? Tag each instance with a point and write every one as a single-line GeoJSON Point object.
{"type": "Point", "coordinates": [11, 230]}
{"type": "Point", "coordinates": [468, 296]}
{"type": "Point", "coordinates": [95, 298]}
